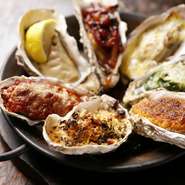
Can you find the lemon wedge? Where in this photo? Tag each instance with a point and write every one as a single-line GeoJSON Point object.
{"type": "Point", "coordinates": [38, 40]}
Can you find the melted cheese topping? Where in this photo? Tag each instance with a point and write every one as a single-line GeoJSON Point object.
{"type": "Point", "coordinates": [42, 89]}
{"type": "Point", "coordinates": [154, 46]}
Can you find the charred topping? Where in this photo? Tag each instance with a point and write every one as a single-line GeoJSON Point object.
{"type": "Point", "coordinates": [165, 112]}
{"type": "Point", "coordinates": [101, 23]}
{"type": "Point", "coordinates": [88, 131]}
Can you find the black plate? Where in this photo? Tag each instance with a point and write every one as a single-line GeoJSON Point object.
{"type": "Point", "coordinates": [138, 153]}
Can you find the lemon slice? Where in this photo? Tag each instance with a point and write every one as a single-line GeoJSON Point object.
{"type": "Point", "coordinates": [38, 40]}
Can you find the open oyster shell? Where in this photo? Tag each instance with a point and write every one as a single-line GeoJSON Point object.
{"type": "Point", "coordinates": [99, 125]}
{"type": "Point", "coordinates": [64, 61]}
{"type": "Point", "coordinates": [168, 75]}
{"type": "Point", "coordinates": [153, 41]}
{"type": "Point", "coordinates": [103, 37]}
{"type": "Point", "coordinates": [160, 116]}
{"type": "Point", "coordinates": [32, 99]}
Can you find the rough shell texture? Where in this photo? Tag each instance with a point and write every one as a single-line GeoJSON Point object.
{"type": "Point", "coordinates": [70, 44]}
{"type": "Point", "coordinates": [93, 104]}
{"type": "Point", "coordinates": [136, 89]}
{"type": "Point", "coordinates": [8, 82]}
{"type": "Point", "coordinates": [113, 77]}
{"type": "Point", "coordinates": [144, 127]}
{"type": "Point", "coordinates": [151, 23]}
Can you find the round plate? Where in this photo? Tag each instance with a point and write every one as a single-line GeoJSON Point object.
{"type": "Point", "coordinates": [138, 153]}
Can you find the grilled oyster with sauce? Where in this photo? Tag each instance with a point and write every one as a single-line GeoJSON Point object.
{"type": "Point", "coordinates": [46, 49]}
{"type": "Point", "coordinates": [103, 37]}
{"type": "Point", "coordinates": [153, 42]}
{"type": "Point", "coordinates": [33, 98]}
{"type": "Point", "coordinates": [98, 125]}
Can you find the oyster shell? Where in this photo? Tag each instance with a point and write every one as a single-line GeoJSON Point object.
{"type": "Point", "coordinates": [160, 116]}
{"type": "Point", "coordinates": [103, 37]}
{"type": "Point", "coordinates": [153, 41]}
{"type": "Point", "coordinates": [32, 99]}
{"type": "Point", "coordinates": [64, 61]}
{"type": "Point", "coordinates": [98, 125]}
{"type": "Point", "coordinates": [168, 75]}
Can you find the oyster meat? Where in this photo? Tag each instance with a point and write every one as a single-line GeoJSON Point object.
{"type": "Point", "coordinates": [103, 37]}
{"type": "Point", "coordinates": [64, 60]}
{"type": "Point", "coordinates": [33, 98]}
{"type": "Point", "coordinates": [153, 42]}
{"type": "Point", "coordinates": [98, 125]}
{"type": "Point", "coordinates": [160, 116]}
{"type": "Point", "coordinates": [169, 75]}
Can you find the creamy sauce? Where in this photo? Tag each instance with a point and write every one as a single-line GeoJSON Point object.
{"type": "Point", "coordinates": [59, 64]}
{"type": "Point", "coordinates": [154, 46]}
{"type": "Point", "coordinates": [170, 77]}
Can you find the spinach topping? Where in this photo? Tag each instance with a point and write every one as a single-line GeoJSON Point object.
{"type": "Point", "coordinates": [171, 78]}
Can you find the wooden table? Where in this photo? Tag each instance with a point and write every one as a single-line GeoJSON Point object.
{"type": "Point", "coordinates": [10, 11]}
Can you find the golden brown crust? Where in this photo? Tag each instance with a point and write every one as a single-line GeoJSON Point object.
{"type": "Point", "coordinates": [165, 112]}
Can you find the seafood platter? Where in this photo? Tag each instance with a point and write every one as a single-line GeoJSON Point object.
{"type": "Point", "coordinates": [89, 96]}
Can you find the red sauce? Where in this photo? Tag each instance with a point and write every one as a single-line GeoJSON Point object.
{"type": "Point", "coordinates": [38, 105]}
{"type": "Point", "coordinates": [101, 22]}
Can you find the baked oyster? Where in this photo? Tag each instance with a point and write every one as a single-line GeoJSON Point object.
{"type": "Point", "coordinates": [160, 116]}
{"type": "Point", "coordinates": [46, 49]}
{"type": "Point", "coordinates": [169, 75]}
{"type": "Point", "coordinates": [98, 125]}
{"type": "Point", "coordinates": [103, 37]}
{"type": "Point", "coordinates": [153, 41]}
{"type": "Point", "coordinates": [33, 98]}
